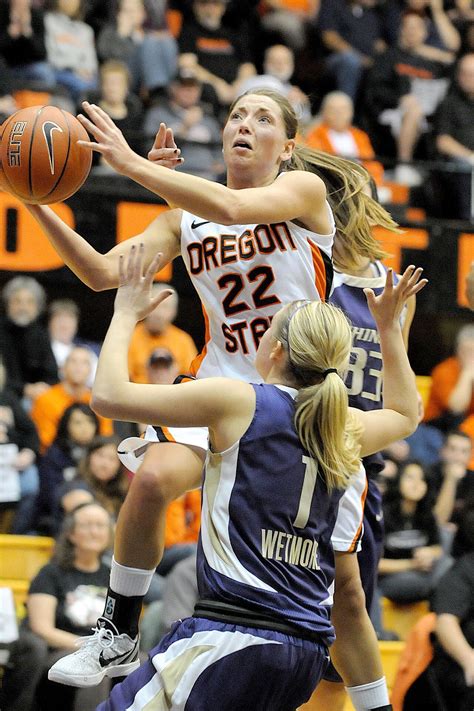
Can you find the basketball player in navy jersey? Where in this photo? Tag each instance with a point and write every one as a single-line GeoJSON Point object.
{"type": "Point", "coordinates": [358, 266]}
{"type": "Point", "coordinates": [258, 638]}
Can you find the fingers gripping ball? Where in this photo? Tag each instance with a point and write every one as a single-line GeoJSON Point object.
{"type": "Point", "coordinates": [41, 160]}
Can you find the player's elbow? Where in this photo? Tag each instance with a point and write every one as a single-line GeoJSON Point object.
{"type": "Point", "coordinates": [101, 403]}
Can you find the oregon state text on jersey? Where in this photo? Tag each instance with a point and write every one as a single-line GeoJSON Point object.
{"type": "Point", "coordinates": [243, 275]}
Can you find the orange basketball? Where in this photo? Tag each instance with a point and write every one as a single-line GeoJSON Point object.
{"type": "Point", "coordinates": [41, 160]}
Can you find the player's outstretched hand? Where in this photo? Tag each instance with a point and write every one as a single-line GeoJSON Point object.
{"type": "Point", "coordinates": [135, 292]}
{"type": "Point", "coordinates": [387, 307]}
{"type": "Point", "coordinates": [110, 141]}
{"type": "Point", "coordinates": [164, 151]}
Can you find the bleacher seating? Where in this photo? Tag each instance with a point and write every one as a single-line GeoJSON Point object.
{"type": "Point", "coordinates": [423, 385]}
{"type": "Point", "coordinates": [402, 618]}
{"type": "Point", "coordinates": [20, 559]}
{"type": "Point", "coordinates": [390, 653]}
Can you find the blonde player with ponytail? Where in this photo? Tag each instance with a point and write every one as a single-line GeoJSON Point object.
{"type": "Point", "coordinates": [281, 454]}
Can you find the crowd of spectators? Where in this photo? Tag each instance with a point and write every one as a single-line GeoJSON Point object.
{"type": "Point", "coordinates": [405, 66]}
{"type": "Point", "coordinates": [391, 78]}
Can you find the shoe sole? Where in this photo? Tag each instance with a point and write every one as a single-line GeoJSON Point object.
{"type": "Point", "coordinates": [82, 681]}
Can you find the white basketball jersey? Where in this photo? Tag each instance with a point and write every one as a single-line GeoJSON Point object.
{"type": "Point", "coordinates": [243, 275]}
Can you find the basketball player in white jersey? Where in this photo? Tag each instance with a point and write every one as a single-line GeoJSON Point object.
{"type": "Point", "coordinates": [259, 218]}
{"type": "Point", "coordinates": [259, 633]}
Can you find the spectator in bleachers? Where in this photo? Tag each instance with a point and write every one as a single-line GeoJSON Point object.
{"type": "Point", "coordinates": [8, 104]}
{"type": "Point", "coordinates": [24, 340]}
{"type": "Point", "coordinates": [351, 31]}
{"type": "Point", "coordinates": [278, 69]}
{"type": "Point", "coordinates": [335, 133]}
{"type": "Point", "coordinates": [183, 111]}
{"type": "Point", "coordinates": [150, 55]}
{"type": "Point", "coordinates": [103, 475]}
{"type": "Point", "coordinates": [70, 47]}
{"type": "Point", "coordinates": [453, 603]}
{"type": "Point", "coordinates": [157, 331]}
{"type": "Point", "coordinates": [49, 407]}
{"type": "Point", "coordinates": [404, 87]}
{"type": "Point", "coordinates": [65, 599]}
{"type": "Point", "coordinates": [453, 480]}
{"type": "Point", "coordinates": [441, 32]}
{"type": "Point", "coordinates": [289, 18]}
{"type": "Point", "coordinates": [22, 43]}
{"type": "Point", "coordinates": [412, 561]}
{"type": "Point", "coordinates": [77, 428]}
{"type": "Point", "coordinates": [455, 136]}
{"type": "Point", "coordinates": [19, 444]}
{"type": "Point", "coordinates": [451, 399]}
{"type": "Point", "coordinates": [63, 324]}
{"type": "Point", "coordinates": [214, 51]}
{"type": "Point", "coordinates": [121, 104]}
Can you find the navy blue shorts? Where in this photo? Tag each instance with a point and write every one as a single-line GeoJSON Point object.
{"type": "Point", "coordinates": [202, 665]}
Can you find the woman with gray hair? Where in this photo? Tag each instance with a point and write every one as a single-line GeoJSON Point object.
{"type": "Point", "coordinates": [24, 340]}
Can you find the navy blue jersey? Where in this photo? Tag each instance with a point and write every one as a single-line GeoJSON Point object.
{"type": "Point", "coordinates": [267, 519]}
{"type": "Point", "coordinates": [364, 378]}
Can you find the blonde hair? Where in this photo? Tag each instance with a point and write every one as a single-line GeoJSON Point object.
{"type": "Point", "coordinates": [355, 212]}
{"type": "Point", "coordinates": [318, 337]}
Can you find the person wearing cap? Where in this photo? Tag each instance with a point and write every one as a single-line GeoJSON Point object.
{"type": "Point", "coordinates": [158, 331]}
{"type": "Point", "coordinates": [192, 122]}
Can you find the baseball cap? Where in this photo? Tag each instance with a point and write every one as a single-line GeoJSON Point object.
{"type": "Point", "coordinates": [161, 356]}
{"type": "Point", "coordinates": [186, 75]}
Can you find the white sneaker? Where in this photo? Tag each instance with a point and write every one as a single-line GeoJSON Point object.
{"type": "Point", "coordinates": [105, 653]}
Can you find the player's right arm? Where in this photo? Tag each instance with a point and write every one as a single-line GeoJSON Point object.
{"type": "Point", "coordinates": [100, 271]}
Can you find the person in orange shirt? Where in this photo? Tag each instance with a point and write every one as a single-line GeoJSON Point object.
{"type": "Point", "coordinates": [157, 331]}
{"type": "Point", "coordinates": [335, 134]}
{"type": "Point", "coordinates": [183, 519]}
{"type": "Point", "coordinates": [451, 398]}
{"type": "Point", "coordinates": [49, 407]}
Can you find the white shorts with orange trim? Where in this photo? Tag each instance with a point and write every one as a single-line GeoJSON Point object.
{"type": "Point", "coordinates": [132, 449]}
{"type": "Point", "coordinates": [347, 534]}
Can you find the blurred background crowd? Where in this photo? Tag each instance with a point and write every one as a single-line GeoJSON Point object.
{"type": "Point", "coordinates": [387, 82]}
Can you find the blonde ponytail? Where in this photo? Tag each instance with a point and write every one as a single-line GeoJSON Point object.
{"type": "Point", "coordinates": [318, 337]}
